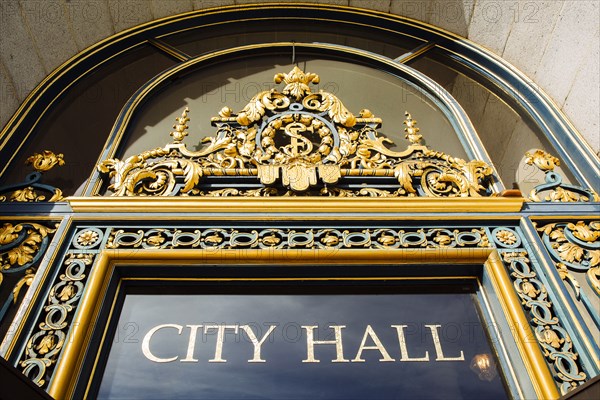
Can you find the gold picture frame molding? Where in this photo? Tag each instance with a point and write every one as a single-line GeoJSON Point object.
{"type": "Point", "coordinates": [301, 204]}
{"type": "Point", "coordinates": [64, 381]}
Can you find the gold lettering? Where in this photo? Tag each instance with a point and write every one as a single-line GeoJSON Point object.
{"type": "Point", "coordinates": [378, 346]}
{"type": "Point", "coordinates": [403, 349]}
{"type": "Point", "coordinates": [191, 344]}
{"type": "Point", "coordinates": [220, 339]}
{"type": "Point", "coordinates": [438, 346]}
{"type": "Point", "coordinates": [255, 342]}
{"type": "Point", "coordinates": [148, 337]}
{"type": "Point", "coordinates": [310, 344]}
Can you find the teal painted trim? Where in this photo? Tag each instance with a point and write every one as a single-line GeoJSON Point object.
{"type": "Point", "coordinates": [558, 209]}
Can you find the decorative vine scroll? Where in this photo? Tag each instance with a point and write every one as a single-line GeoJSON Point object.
{"type": "Point", "coordinates": [555, 189]}
{"type": "Point", "coordinates": [554, 340]}
{"type": "Point", "coordinates": [32, 190]}
{"type": "Point", "coordinates": [575, 247]}
{"type": "Point", "coordinates": [22, 245]}
{"type": "Point", "coordinates": [45, 344]}
{"type": "Point", "coordinates": [296, 142]}
{"type": "Point", "coordinates": [220, 238]}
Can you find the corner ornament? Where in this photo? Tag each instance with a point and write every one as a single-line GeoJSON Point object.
{"type": "Point", "coordinates": [22, 246]}
{"type": "Point", "coordinates": [296, 142]}
{"type": "Point", "coordinates": [575, 247]}
{"type": "Point", "coordinates": [32, 190]}
{"type": "Point", "coordinates": [556, 190]}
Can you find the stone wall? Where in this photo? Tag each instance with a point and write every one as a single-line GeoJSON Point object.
{"type": "Point", "coordinates": [556, 43]}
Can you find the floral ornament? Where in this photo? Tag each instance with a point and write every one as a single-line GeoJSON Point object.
{"type": "Point", "coordinates": [556, 190]}
{"type": "Point", "coordinates": [31, 189]}
{"type": "Point", "coordinates": [506, 237]}
{"type": "Point", "coordinates": [87, 238]}
{"type": "Point", "coordinates": [297, 82]}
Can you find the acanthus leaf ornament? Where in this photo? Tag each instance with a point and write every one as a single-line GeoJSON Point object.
{"type": "Point", "coordinates": [32, 190]}
{"type": "Point", "coordinates": [556, 190]}
{"type": "Point", "coordinates": [574, 247]}
{"type": "Point", "coordinates": [22, 246]}
{"type": "Point", "coordinates": [552, 337]}
{"type": "Point", "coordinates": [296, 142]}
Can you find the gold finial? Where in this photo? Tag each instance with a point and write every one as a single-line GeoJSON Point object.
{"type": "Point", "coordinates": [296, 82]}
{"type": "Point", "coordinates": [180, 127]}
{"type": "Point", "coordinates": [45, 161]}
{"type": "Point", "coordinates": [411, 130]}
{"type": "Point", "coordinates": [542, 160]}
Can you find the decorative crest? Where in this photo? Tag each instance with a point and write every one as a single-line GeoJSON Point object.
{"type": "Point", "coordinates": [297, 82]}
{"type": "Point", "coordinates": [32, 190]}
{"type": "Point", "coordinates": [557, 190]}
{"type": "Point", "coordinates": [296, 142]}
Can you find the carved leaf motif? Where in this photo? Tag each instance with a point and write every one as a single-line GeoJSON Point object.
{"type": "Point", "coordinates": [155, 240]}
{"type": "Point", "coordinates": [192, 173]}
{"type": "Point", "coordinates": [443, 240]}
{"type": "Point", "coordinates": [583, 232]}
{"type": "Point", "coordinates": [137, 177]}
{"type": "Point", "coordinates": [337, 111]}
{"type": "Point", "coordinates": [8, 233]}
{"type": "Point", "coordinates": [570, 252]}
{"type": "Point", "coordinates": [25, 195]}
{"type": "Point", "coordinates": [563, 195]}
{"type": "Point", "coordinates": [551, 338]}
{"type": "Point", "coordinates": [529, 289]}
{"type": "Point", "coordinates": [547, 229]}
{"type": "Point", "coordinates": [404, 175]}
{"type": "Point", "coordinates": [20, 255]}
{"type": "Point", "coordinates": [558, 235]}
{"type": "Point", "coordinates": [271, 240]}
{"type": "Point", "coordinates": [594, 257]}
{"type": "Point", "coordinates": [566, 276]}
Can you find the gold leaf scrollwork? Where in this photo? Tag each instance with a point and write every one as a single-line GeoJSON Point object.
{"type": "Point", "coordinates": [44, 345]}
{"type": "Point", "coordinates": [556, 190]}
{"type": "Point", "coordinates": [296, 142]}
{"type": "Point", "coordinates": [554, 340]}
{"type": "Point", "coordinates": [31, 190]}
{"type": "Point", "coordinates": [574, 247]}
{"type": "Point", "coordinates": [21, 245]}
{"type": "Point", "coordinates": [45, 161]}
